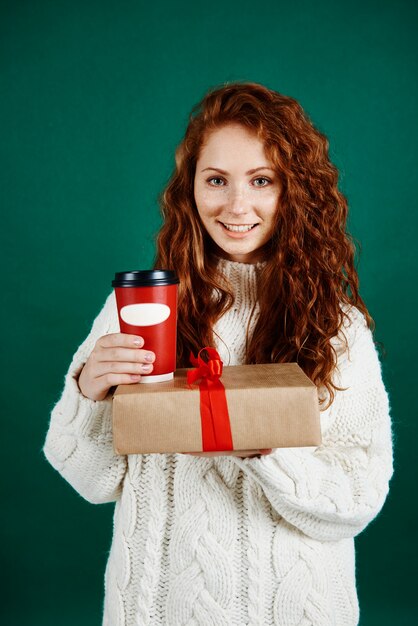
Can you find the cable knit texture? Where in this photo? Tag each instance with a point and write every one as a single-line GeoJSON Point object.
{"type": "Point", "coordinates": [226, 541]}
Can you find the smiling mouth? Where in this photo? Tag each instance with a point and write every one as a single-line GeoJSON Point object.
{"type": "Point", "coordinates": [239, 228]}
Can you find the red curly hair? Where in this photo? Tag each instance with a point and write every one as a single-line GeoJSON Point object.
{"type": "Point", "coordinates": [309, 271]}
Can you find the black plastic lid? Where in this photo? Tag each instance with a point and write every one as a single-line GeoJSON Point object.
{"type": "Point", "coordinates": [145, 278]}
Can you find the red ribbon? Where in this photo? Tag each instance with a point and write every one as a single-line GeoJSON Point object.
{"type": "Point", "coordinates": [216, 427]}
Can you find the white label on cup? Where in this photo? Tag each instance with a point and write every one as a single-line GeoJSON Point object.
{"type": "Point", "coordinates": [147, 314]}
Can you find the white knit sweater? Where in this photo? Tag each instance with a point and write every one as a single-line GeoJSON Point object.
{"type": "Point", "coordinates": [226, 541]}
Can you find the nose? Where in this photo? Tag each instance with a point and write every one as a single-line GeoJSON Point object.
{"type": "Point", "coordinates": [237, 203]}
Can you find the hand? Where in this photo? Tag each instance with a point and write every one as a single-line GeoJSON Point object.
{"type": "Point", "coordinates": [242, 454]}
{"type": "Point", "coordinates": [115, 360]}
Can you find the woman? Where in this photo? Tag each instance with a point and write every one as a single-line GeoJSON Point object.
{"type": "Point", "coordinates": [254, 226]}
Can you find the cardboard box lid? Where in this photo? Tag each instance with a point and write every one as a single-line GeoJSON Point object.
{"type": "Point", "coordinates": [270, 405]}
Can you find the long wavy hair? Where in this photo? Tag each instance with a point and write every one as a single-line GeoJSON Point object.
{"type": "Point", "coordinates": [309, 271]}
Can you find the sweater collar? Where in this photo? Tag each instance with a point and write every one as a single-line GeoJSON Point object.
{"type": "Point", "coordinates": [227, 265]}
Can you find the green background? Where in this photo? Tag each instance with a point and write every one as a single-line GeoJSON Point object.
{"type": "Point", "coordinates": [95, 96]}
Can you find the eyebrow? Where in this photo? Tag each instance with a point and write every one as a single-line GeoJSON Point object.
{"type": "Point", "coordinates": [217, 169]}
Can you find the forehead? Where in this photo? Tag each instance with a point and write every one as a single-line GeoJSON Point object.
{"type": "Point", "coordinates": [233, 140]}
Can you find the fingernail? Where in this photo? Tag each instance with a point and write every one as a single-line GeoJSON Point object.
{"type": "Point", "coordinates": [146, 368]}
{"type": "Point", "coordinates": [139, 342]}
{"type": "Point", "coordinates": [149, 357]}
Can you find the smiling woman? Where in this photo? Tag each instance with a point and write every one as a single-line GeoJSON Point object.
{"type": "Point", "coordinates": [255, 228]}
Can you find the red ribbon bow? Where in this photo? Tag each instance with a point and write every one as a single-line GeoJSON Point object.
{"type": "Point", "coordinates": [216, 427]}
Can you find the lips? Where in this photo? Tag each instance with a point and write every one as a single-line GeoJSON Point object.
{"type": "Point", "coordinates": [238, 228]}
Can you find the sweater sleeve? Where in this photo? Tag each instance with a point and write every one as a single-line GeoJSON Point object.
{"type": "Point", "coordinates": [334, 491]}
{"type": "Point", "coordinates": [79, 443]}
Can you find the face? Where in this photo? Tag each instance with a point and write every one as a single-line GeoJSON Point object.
{"type": "Point", "coordinates": [236, 193]}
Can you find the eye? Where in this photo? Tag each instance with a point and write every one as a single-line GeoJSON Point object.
{"type": "Point", "coordinates": [266, 180]}
{"type": "Point", "coordinates": [209, 180]}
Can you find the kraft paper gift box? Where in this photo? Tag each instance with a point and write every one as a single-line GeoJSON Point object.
{"type": "Point", "coordinates": [268, 406]}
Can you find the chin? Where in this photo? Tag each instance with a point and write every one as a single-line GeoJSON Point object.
{"type": "Point", "coordinates": [241, 256]}
{"type": "Point", "coordinates": [252, 255]}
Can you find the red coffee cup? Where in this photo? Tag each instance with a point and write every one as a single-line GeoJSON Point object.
{"type": "Point", "coordinates": [147, 306]}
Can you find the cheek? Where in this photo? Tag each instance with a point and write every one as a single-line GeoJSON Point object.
{"type": "Point", "coordinates": [207, 203]}
{"type": "Point", "coordinates": [270, 204]}
{"type": "Point", "coordinates": [267, 197]}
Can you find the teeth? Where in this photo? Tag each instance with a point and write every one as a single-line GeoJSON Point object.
{"type": "Point", "coordinates": [239, 229]}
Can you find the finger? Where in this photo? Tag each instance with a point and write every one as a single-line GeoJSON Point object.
{"type": "Point", "coordinates": [121, 340]}
{"type": "Point", "coordinates": [254, 453]}
{"type": "Point", "coordinates": [245, 452]}
{"type": "Point", "coordinates": [121, 367]}
{"type": "Point", "coordinates": [112, 380]}
{"type": "Point", "coordinates": [127, 355]}
{"type": "Point", "coordinates": [247, 455]}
